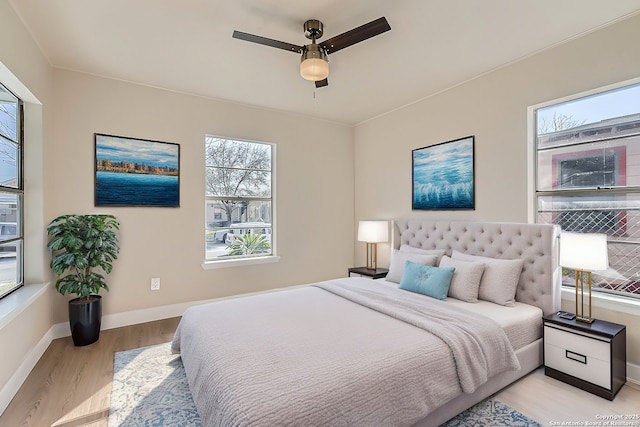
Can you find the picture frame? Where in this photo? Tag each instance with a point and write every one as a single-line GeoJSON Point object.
{"type": "Point", "coordinates": [443, 176]}
{"type": "Point", "coordinates": [136, 172]}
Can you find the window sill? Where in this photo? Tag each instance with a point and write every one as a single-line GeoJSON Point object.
{"type": "Point", "coordinates": [14, 304]}
{"type": "Point", "coordinates": [211, 265]}
{"type": "Point", "coordinates": [606, 301]}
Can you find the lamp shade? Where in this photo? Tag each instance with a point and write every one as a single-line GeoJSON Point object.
{"type": "Point", "coordinates": [373, 231]}
{"type": "Point", "coordinates": [584, 251]}
{"type": "Point", "coordinates": [313, 64]}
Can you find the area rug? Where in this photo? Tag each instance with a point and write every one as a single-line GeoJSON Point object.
{"type": "Point", "coordinates": [150, 389]}
{"type": "Point", "coordinates": [491, 413]}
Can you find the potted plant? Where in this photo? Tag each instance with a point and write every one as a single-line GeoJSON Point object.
{"type": "Point", "coordinates": [80, 244]}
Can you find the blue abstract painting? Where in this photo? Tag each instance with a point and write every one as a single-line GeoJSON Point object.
{"type": "Point", "coordinates": [136, 172]}
{"type": "Point", "coordinates": [443, 175]}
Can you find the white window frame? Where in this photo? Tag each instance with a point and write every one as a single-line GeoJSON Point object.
{"type": "Point", "coordinates": [628, 305]}
{"type": "Point", "coordinates": [210, 264]}
{"type": "Point", "coordinates": [18, 191]}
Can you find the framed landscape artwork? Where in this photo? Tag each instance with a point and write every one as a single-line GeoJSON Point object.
{"type": "Point", "coordinates": [443, 176]}
{"type": "Point", "coordinates": [136, 172]}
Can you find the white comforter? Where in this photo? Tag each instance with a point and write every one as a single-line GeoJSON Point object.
{"type": "Point", "coordinates": [347, 352]}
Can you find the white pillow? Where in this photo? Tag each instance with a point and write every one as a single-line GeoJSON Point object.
{"type": "Point", "coordinates": [499, 280]}
{"type": "Point", "coordinates": [398, 260]}
{"type": "Point", "coordinates": [412, 249]}
{"type": "Point", "coordinates": [466, 278]}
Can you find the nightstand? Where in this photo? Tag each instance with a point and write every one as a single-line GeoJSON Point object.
{"type": "Point", "coordinates": [590, 356]}
{"type": "Point", "coordinates": [378, 273]}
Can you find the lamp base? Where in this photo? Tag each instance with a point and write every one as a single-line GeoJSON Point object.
{"type": "Point", "coordinates": [583, 284]}
{"type": "Point", "coordinates": [372, 256]}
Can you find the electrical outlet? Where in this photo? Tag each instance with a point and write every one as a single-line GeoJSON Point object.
{"type": "Point", "coordinates": [155, 284]}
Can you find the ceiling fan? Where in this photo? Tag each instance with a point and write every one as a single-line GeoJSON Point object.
{"type": "Point", "coordinates": [314, 63]}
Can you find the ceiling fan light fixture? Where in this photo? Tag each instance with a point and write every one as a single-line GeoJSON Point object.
{"type": "Point", "coordinates": [314, 65]}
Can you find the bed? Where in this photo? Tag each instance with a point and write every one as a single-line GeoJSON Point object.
{"type": "Point", "coordinates": [359, 352]}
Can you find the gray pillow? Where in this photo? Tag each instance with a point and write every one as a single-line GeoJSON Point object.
{"type": "Point", "coordinates": [412, 249]}
{"type": "Point", "coordinates": [466, 278]}
{"type": "Point", "coordinates": [499, 280]}
{"type": "Point", "coordinates": [399, 258]}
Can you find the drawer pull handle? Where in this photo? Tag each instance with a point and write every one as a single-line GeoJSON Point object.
{"type": "Point", "coordinates": [576, 356]}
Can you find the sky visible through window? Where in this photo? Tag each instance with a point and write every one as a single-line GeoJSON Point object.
{"type": "Point", "coordinates": [595, 108]}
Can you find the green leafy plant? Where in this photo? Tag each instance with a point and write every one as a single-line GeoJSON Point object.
{"type": "Point", "coordinates": [249, 244]}
{"type": "Point", "coordinates": [78, 245]}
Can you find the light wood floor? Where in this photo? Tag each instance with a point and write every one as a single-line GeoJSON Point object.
{"type": "Point", "coordinates": [71, 386]}
{"type": "Point", "coordinates": [550, 401]}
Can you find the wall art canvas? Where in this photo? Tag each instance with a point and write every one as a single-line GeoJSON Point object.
{"type": "Point", "coordinates": [443, 176]}
{"type": "Point", "coordinates": [136, 172]}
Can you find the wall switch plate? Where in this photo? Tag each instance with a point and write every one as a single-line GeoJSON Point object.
{"type": "Point", "coordinates": [155, 284]}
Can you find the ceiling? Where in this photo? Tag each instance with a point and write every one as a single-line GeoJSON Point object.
{"type": "Point", "coordinates": [186, 46]}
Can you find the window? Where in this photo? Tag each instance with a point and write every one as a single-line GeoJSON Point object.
{"type": "Point", "coordinates": [11, 192]}
{"type": "Point", "coordinates": [588, 177]}
{"type": "Point", "coordinates": [239, 199]}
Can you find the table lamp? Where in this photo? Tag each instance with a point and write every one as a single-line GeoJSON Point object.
{"type": "Point", "coordinates": [583, 252]}
{"type": "Point", "coordinates": [373, 232]}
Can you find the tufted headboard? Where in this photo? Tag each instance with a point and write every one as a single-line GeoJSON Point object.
{"type": "Point", "coordinates": [537, 244]}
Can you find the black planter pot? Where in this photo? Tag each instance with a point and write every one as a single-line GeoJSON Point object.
{"type": "Point", "coordinates": [85, 316]}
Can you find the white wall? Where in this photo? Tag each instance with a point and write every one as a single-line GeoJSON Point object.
{"type": "Point", "coordinates": [314, 190]}
{"type": "Point", "coordinates": [492, 107]}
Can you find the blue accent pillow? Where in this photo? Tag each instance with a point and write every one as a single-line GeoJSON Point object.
{"type": "Point", "coordinates": [427, 280]}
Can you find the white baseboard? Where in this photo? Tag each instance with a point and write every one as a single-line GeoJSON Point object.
{"type": "Point", "coordinates": [633, 373]}
{"type": "Point", "coordinates": [127, 318]}
{"type": "Point", "coordinates": [11, 387]}
{"type": "Point", "coordinates": [134, 317]}
{"type": "Point", "coordinates": [117, 320]}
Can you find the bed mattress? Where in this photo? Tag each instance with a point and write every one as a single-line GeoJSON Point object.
{"type": "Point", "coordinates": [308, 356]}
{"type": "Point", "coordinates": [522, 323]}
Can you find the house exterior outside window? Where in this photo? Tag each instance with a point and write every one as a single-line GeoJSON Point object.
{"type": "Point", "coordinates": [588, 177]}
{"type": "Point", "coordinates": [239, 201]}
{"type": "Point", "coordinates": [11, 192]}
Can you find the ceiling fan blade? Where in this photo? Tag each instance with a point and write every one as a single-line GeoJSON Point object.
{"type": "Point", "coordinates": [322, 83]}
{"type": "Point", "coordinates": [267, 42]}
{"type": "Point", "coordinates": [356, 35]}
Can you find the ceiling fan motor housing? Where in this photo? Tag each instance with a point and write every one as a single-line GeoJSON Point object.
{"type": "Point", "coordinates": [313, 29]}
{"type": "Point", "coordinates": [314, 51]}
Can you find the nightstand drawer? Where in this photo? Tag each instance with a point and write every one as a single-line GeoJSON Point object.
{"type": "Point", "coordinates": [598, 348]}
{"type": "Point", "coordinates": [580, 356]}
{"type": "Point", "coordinates": [578, 365]}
